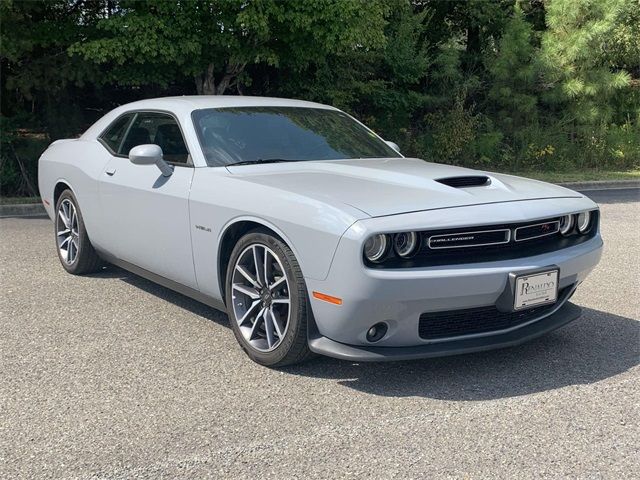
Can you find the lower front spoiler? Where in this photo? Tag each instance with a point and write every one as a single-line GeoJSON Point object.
{"type": "Point", "coordinates": [325, 346]}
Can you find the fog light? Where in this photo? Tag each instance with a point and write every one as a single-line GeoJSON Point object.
{"type": "Point", "coordinates": [376, 332]}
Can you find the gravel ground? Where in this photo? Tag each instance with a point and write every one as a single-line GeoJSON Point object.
{"type": "Point", "coordinates": [112, 376]}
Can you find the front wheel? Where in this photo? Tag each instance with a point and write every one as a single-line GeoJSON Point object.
{"type": "Point", "coordinates": [75, 251]}
{"type": "Point", "coordinates": [267, 300]}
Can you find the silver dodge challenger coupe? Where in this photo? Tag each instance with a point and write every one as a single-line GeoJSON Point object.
{"type": "Point", "coordinates": [313, 233]}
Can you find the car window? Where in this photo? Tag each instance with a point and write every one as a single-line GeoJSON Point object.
{"type": "Point", "coordinates": [241, 134]}
{"type": "Point", "coordinates": [113, 135]}
{"type": "Point", "coordinates": [160, 129]}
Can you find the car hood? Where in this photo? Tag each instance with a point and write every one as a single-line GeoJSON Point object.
{"type": "Point", "coordinates": [380, 187]}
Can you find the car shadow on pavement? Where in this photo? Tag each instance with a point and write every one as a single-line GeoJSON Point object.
{"type": "Point", "coordinates": [163, 293]}
{"type": "Point", "coordinates": [597, 346]}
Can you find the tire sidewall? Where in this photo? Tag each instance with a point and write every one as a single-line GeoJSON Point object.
{"type": "Point", "coordinates": [296, 289]}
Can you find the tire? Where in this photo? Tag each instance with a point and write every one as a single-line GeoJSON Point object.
{"type": "Point", "coordinates": [74, 248]}
{"type": "Point", "coordinates": [287, 344]}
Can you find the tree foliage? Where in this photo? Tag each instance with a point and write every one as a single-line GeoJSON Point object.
{"type": "Point", "coordinates": [508, 84]}
{"type": "Point", "coordinates": [154, 41]}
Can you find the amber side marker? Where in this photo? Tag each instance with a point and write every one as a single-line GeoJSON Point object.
{"type": "Point", "coordinates": [327, 298]}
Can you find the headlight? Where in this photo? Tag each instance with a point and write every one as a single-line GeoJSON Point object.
{"type": "Point", "coordinates": [375, 247]}
{"type": "Point", "coordinates": [405, 243]}
{"type": "Point", "coordinates": [566, 224]}
{"type": "Point", "coordinates": [584, 222]}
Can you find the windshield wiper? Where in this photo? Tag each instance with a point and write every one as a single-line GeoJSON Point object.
{"type": "Point", "coordinates": [262, 160]}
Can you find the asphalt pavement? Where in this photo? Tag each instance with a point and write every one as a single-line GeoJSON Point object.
{"type": "Point", "coordinates": [111, 376]}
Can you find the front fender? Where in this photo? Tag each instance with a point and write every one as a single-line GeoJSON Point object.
{"type": "Point", "coordinates": [218, 200]}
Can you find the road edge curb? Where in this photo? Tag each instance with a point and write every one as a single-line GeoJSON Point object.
{"type": "Point", "coordinates": [37, 209]}
{"type": "Point", "coordinates": [601, 185]}
{"type": "Point", "coordinates": [22, 210]}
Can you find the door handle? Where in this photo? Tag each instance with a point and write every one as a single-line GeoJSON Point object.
{"type": "Point", "coordinates": [110, 171]}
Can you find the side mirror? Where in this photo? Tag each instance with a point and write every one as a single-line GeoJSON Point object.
{"type": "Point", "coordinates": [393, 145]}
{"type": "Point", "coordinates": [150, 155]}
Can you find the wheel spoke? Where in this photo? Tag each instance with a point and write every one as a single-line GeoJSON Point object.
{"type": "Point", "coordinates": [268, 327]}
{"type": "Point", "coordinates": [249, 291]}
{"type": "Point", "coordinates": [278, 283]}
{"type": "Point", "coordinates": [64, 232]}
{"type": "Point", "coordinates": [276, 323]}
{"type": "Point", "coordinates": [67, 212]}
{"type": "Point", "coordinates": [66, 240]}
{"type": "Point", "coordinates": [69, 251]}
{"type": "Point", "coordinates": [259, 264]}
{"type": "Point", "coordinates": [266, 270]}
{"type": "Point", "coordinates": [74, 223]}
{"type": "Point", "coordinates": [284, 301]}
{"type": "Point", "coordinates": [256, 324]}
{"type": "Point", "coordinates": [245, 273]}
{"type": "Point", "coordinates": [249, 311]}
{"type": "Point", "coordinates": [74, 242]}
{"type": "Point", "coordinates": [62, 216]}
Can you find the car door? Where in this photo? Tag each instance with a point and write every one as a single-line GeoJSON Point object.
{"type": "Point", "coordinates": [146, 215]}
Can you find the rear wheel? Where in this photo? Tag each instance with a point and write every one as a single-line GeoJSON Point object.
{"type": "Point", "coordinates": [75, 251]}
{"type": "Point", "coordinates": [267, 300]}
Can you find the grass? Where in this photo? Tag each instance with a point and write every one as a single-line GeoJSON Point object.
{"type": "Point", "coordinates": [580, 176]}
{"type": "Point", "coordinates": [18, 200]}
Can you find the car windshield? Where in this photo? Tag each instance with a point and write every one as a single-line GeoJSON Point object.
{"type": "Point", "coordinates": [267, 134]}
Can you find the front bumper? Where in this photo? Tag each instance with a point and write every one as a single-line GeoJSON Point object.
{"type": "Point", "coordinates": [399, 297]}
{"type": "Point", "coordinates": [325, 346]}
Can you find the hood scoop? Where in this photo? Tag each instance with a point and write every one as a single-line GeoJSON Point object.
{"type": "Point", "coordinates": [465, 181]}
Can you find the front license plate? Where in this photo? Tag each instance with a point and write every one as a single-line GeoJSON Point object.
{"type": "Point", "coordinates": [537, 289]}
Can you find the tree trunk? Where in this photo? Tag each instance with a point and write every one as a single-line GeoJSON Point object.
{"type": "Point", "coordinates": [25, 175]}
{"type": "Point", "coordinates": [205, 82]}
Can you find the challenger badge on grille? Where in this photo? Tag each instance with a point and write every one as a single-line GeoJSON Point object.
{"type": "Point", "coordinates": [469, 239]}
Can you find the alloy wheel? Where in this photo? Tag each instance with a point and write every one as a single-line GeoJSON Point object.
{"type": "Point", "coordinates": [67, 231]}
{"type": "Point", "coordinates": [260, 295]}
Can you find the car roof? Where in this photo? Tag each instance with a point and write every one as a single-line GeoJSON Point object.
{"type": "Point", "coordinates": [182, 107]}
{"type": "Point", "coordinates": [220, 101]}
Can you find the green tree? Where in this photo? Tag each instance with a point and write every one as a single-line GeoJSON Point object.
{"type": "Point", "coordinates": [35, 37]}
{"type": "Point", "coordinates": [213, 41]}
{"type": "Point", "coordinates": [578, 68]}
{"type": "Point", "coordinates": [514, 73]}
{"type": "Point", "coordinates": [589, 55]}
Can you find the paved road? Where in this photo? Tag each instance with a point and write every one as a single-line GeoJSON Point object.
{"type": "Point", "coordinates": [111, 376]}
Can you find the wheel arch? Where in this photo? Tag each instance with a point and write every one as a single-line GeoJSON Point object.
{"type": "Point", "coordinates": [230, 235]}
{"type": "Point", "coordinates": [61, 186]}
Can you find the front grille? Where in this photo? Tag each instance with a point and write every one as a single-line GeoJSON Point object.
{"type": "Point", "coordinates": [536, 231]}
{"type": "Point", "coordinates": [455, 323]}
{"type": "Point", "coordinates": [488, 243]}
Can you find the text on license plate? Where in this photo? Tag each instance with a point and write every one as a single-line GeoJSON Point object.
{"type": "Point", "coordinates": [536, 289]}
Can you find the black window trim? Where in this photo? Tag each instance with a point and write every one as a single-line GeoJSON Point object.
{"type": "Point", "coordinates": [104, 132]}
{"type": "Point", "coordinates": [188, 163]}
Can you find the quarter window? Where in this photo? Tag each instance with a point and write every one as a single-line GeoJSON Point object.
{"type": "Point", "coordinates": [160, 129]}
{"type": "Point", "coordinates": [113, 136]}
